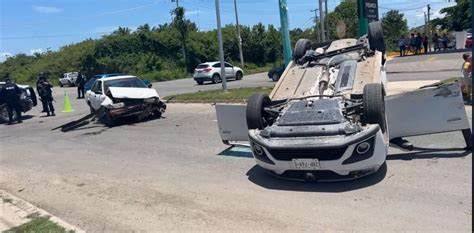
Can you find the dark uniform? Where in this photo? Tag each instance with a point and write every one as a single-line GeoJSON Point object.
{"type": "Point", "coordinates": [43, 86]}
{"type": "Point", "coordinates": [11, 94]}
{"type": "Point", "coordinates": [80, 82]}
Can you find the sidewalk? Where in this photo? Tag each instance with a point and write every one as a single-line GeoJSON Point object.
{"type": "Point", "coordinates": [16, 212]}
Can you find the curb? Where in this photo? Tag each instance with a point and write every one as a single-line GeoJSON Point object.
{"type": "Point", "coordinates": [23, 209]}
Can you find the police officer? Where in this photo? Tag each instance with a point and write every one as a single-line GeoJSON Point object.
{"type": "Point", "coordinates": [11, 94]}
{"type": "Point", "coordinates": [43, 86]}
{"type": "Point", "coordinates": [80, 81]}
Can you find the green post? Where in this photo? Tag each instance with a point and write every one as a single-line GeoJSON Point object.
{"type": "Point", "coordinates": [285, 33]}
{"type": "Point", "coordinates": [363, 21]}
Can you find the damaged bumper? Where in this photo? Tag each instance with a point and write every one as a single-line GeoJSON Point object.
{"type": "Point", "coordinates": [332, 157]}
{"type": "Point", "coordinates": [126, 107]}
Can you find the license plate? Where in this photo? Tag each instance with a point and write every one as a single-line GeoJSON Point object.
{"type": "Point", "coordinates": [306, 164]}
{"type": "Point", "coordinates": [199, 71]}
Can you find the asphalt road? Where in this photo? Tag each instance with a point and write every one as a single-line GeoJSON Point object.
{"type": "Point", "coordinates": [174, 174]}
{"type": "Point", "coordinates": [425, 67]}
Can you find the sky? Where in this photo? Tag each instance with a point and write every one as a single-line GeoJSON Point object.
{"type": "Point", "coordinates": [29, 26]}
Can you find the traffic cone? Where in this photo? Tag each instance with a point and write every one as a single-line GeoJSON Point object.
{"type": "Point", "coordinates": [67, 104]}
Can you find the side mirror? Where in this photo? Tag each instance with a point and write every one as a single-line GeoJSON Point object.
{"type": "Point", "coordinates": [149, 85]}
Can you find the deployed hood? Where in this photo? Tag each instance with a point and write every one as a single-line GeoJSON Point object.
{"type": "Point", "coordinates": [133, 92]}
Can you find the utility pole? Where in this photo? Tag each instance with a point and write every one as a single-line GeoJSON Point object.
{"type": "Point", "coordinates": [285, 32]}
{"type": "Point", "coordinates": [221, 46]}
{"type": "Point", "coordinates": [321, 21]}
{"type": "Point", "coordinates": [326, 22]}
{"type": "Point", "coordinates": [238, 35]}
{"type": "Point", "coordinates": [177, 2]}
{"type": "Point", "coordinates": [316, 23]}
{"type": "Point", "coordinates": [428, 24]}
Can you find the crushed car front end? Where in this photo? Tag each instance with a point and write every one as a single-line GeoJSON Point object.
{"type": "Point", "coordinates": [313, 140]}
{"type": "Point", "coordinates": [128, 102]}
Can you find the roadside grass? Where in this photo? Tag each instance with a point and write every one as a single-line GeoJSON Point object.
{"type": "Point", "coordinates": [253, 69]}
{"type": "Point", "coordinates": [38, 225]}
{"type": "Point", "coordinates": [238, 95]}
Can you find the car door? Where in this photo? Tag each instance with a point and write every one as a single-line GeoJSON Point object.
{"type": "Point", "coordinates": [229, 70]}
{"type": "Point", "coordinates": [434, 109]}
{"type": "Point", "coordinates": [95, 94]}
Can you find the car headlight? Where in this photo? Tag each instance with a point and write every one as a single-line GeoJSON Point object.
{"type": "Point", "coordinates": [150, 100]}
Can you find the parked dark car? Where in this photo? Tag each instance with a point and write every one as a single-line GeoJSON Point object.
{"type": "Point", "coordinates": [275, 73]}
{"type": "Point", "coordinates": [28, 101]}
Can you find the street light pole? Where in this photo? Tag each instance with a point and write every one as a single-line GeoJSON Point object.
{"type": "Point", "coordinates": [221, 46]}
{"type": "Point", "coordinates": [326, 22]}
{"type": "Point", "coordinates": [238, 35]}
{"type": "Point", "coordinates": [322, 19]}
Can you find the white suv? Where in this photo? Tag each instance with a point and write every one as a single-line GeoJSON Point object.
{"type": "Point", "coordinates": [68, 79]}
{"type": "Point", "coordinates": [211, 71]}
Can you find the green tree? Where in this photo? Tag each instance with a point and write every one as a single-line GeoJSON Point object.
{"type": "Point", "coordinates": [394, 25]}
{"type": "Point", "coordinates": [347, 13]}
{"type": "Point", "coordinates": [457, 17]}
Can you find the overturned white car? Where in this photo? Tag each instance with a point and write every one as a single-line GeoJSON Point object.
{"type": "Point", "coordinates": [123, 96]}
{"type": "Point", "coordinates": [328, 117]}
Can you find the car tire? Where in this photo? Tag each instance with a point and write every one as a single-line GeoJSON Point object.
{"type": "Point", "coordinates": [376, 39]}
{"type": "Point", "coordinates": [61, 84]}
{"type": "Point", "coordinates": [238, 75]}
{"type": "Point", "coordinates": [216, 78]}
{"type": "Point", "coordinates": [275, 77]}
{"type": "Point", "coordinates": [302, 45]}
{"type": "Point", "coordinates": [374, 105]}
{"type": "Point", "coordinates": [199, 82]}
{"type": "Point", "coordinates": [4, 114]}
{"type": "Point", "coordinates": [255, 111]}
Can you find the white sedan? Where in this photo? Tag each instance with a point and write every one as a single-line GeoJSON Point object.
{"type": "Point", "coordinates": [123, 96]}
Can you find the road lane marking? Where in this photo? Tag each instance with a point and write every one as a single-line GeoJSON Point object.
{"type": "Point", "coordinates": [431, 59]}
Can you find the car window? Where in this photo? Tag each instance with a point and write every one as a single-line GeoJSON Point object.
{"type": "Point", "coordinates": [202, 66]}
{"type": "Point", "coordinates": [227, 65]}
{"type": "Point", "coordinates": [216, 65]}
{"type": "Point", "coordinates": [96, 86]}
{"type": "Point", "coordinates": [125, 82]}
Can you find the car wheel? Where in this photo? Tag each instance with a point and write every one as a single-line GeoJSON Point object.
{"type": "Point", "coordinates": [302, 45]}
{"type": "Point", "coordinates": [238, 75]}
{"type": "Point", "coordinates": [61, 84]}
{"type": "Point", "coordinates": [199, 82]}
{"type": "Point", "coordinates": [255, 111]}
{"type": "Point", "coordinates": [216, 78]}
{"type": "Point", "coordinates": [376, 39]}
{"type": "Point", "coordinates": [275, 77]}
{"type": "Point", "coordinates": [374, 105]}
{"type": "Point", "coordinates": [4, 114]}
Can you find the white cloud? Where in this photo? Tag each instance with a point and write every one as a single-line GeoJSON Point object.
{"type": "Point", "coordinates": [196, 12]}
{"type": "Point", "coordinates": [4, 55]}
{"type": "Point", "coordinates": [33, 51]}
{"type": "Point", "coordinates": [46, 9]}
